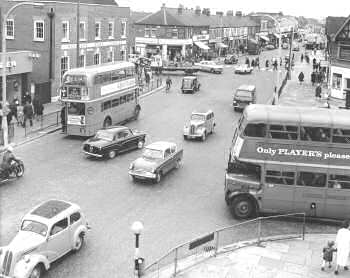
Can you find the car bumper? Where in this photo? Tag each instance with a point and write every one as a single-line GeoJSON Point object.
{"type": "Point", "coordinates": [93, 154]}
{"type": "Point", "coordinates": [139, 174]}
{"type": "Point", "coordinates": [193, 135]}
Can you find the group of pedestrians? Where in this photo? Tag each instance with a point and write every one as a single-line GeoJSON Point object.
{"type": "Point", "coordinates": [341, 247]}
{"type": "Point", "coordinates": [253, 63]}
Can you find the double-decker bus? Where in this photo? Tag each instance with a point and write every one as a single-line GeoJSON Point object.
{"type": "Point", "coordinates": [290, 159]}
{"type": "Point", "coordinates": [99, 96]}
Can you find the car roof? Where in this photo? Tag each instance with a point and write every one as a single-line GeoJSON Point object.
{"type": "Point", "coordinates": [206, 112]}
{"type": "Point", "coordinates": [51, 211]}
{"type": "Point", "coordinates": [246, 87]}
{"type": "Point", "coordinates": [160, 145]}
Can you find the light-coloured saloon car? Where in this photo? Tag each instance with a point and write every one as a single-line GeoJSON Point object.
{"type": "Point", "coordinates": [46, 233]}
{"type": "Point", "coordinates": [157, 159]}
{"type": "Point", "coordinates": [200, 125]}
{"type": "Point", "coordinates": [210, 66]}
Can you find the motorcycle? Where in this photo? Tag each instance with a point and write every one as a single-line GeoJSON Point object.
{"type": "Point", "coordinates": [15, 171]}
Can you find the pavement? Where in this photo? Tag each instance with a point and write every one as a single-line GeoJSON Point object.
{"type": "Point", "coordinates": [291, 258]}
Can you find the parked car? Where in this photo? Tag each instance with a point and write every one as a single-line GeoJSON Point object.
{"type": "Point", "coordinates": [157, 159]}
{"type": "Point", "coordinates": [244, 95]}
{"type": "Point", "coordinates": [190, 84]}
{"type": "Point", "coordinates": [243, 69]}
{"type": "Point", "coordinates": [231, 59]}
{"type": "Point", "coordinates": [270, 47]}
{"type": "Point", "coordinates": [47, 232]}
{"type": "Point", "coordinates": [210, 66]}
{"type": "Point", "coordinates": [201, 124]}
{"type": "Point", "coordinates": [113, 140]}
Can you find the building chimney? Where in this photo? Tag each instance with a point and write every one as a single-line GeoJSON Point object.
{"type": "Point", "coordinates": [220, 13]}
{"type": "Point", "coordinates": [229, 13]}
{"type": "Point", "coordinates": [206, 11]}
{"type": "Point", "coordinates": [239, 13]}
{"type": "Point", "coordinates": [180, 9]}
{"type": "Point", "coordinates": [197, 10]}
{"type": "Point", "coordinates": [163, 6]}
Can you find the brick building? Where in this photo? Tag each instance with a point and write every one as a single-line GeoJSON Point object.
{"type": "Point", "coordinates": [338, 48]}
{"type": "Point", "coordinates": [49, 32]}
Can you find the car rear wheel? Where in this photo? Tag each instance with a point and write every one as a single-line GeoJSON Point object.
{"type": "Point", "coordinates": [212, 71]}
{"type": "Point", "coordinates": [140, 144]}
{"type": "Point", "coordinates": [112, 154]}
{"type": "Point", "coordinates": [242, 208]}
{"type": "Point", "coordinates": [204, 136]}
{"type": "Point", "coordinates": [36, 272]}
{"type": "Point", "coordinates": [79, 243]}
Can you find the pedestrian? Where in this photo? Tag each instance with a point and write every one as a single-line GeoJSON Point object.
{"type": "Point", "coordinates": [302, 57]}
{"type": "Point", "coordinates": [318, 91]}
{"type": "Point", "coordinates": [301, 77]}
{"type": "Point", "coordinates": [281, 62]}
{"type": "Point", "coordinates": [13, 107]}
{"type": "Point", "coordinates": [313, 78]}
{"type": "Point", "coordinates": [20, 115]}
{"type": "Point", "coordinates": [247, 61]}
{"type": "Point", "coordinates": [328, 254]}
{"type": "Point", "coordinates": [168, 83]}
{"type": "Point", "coordinates": [35, 105]}
{"type": "Point", "coordinates": [314, 65]}
{"type": "Point", "coordinates": [63, 119]}
{"type": "Point", "coordinates": [253, 63]}
{"type": "Point", "coordinates": [275, 63]}
{"type": "Point", "coordinates": [28, 114]}
{"type": "Point", "coordinates": [40, 111]}
{"type": "Point", "coordinates": [267, 64]}
{"type": "Point", "coordinates": [343, 246]}
{"type": "Point", "coordinates": [307, 58]}
{"type": "Point", "coordinates": [293, 56]}
{"type": "Point", "coordinates": [27, 98]}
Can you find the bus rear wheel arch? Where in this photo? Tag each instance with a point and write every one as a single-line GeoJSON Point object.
{"type": "Point", "coordinates": [107, 122]}
{"type": "Point", "coordinates": [243, 207]}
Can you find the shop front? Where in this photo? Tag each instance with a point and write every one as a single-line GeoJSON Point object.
{"type": "Point", "coordinates": [18, 67]}
{"type": "Point", "coordinates": [200, 46]}
{"type": "Point", "coordinates": [339, 81]}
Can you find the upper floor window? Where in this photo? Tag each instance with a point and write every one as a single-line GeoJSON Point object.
{"type": "Point", "coordinates": [174, 33]}
{"type": "Point", "coordinates": [97, 58]}
{"type": "Point", "coordinates": [110, 55]}
{"type": "Point", "coordinates": [123, 29]}
{"type": "Point", "coordinates": [147, 31]}
{"type": "Point", "coordinates": [64, 65]}
{"type": "Point", "coordinates": [10, 29]}
{"type": "Point", "coordinates": [39, 30]}
{"type": "Point", "coordinates": [97, 30]}
{"type": "Point", "coordinates": [81, 61]}
{"type": "Point", "coordinates": [110, 30]}
{"type": "Point", "coordinates": [82, 30]}
{"type": "Point", "coordinates": [65, 31]}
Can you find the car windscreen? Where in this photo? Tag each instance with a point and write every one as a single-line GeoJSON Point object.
{"type": "Point", "coordinates": [187, 83]}
{"type": "Point", "coordinates": [152, 153]}
{"type": "Point", "coordinates": [104, 135]}
{"type": "Point", "coordinates": [34, 226]}
{"type": "Point", "coordinates": [242, 93]}
{"type": "Point", "coordinates": [198, 117]}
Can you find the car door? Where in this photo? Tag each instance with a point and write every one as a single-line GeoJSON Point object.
{"type": "Point", "coordinates": [128, 140]}
{"type": "Point", "coordinates": [75, 221]}
{"type": "Point", "coordinates": [168, 161]}
{"type": "Point", "coordinates": [58, 242]}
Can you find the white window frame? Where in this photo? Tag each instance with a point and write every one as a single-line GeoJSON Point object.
{"type": "Point", "coordinates": [85, 31]}
{"type": "Point", "coordinates": [84, 64]}
{"type": "Point", "coordinates": [35, 37]}
{"type": "Point", "coordinates": [147, 32]}
{"type": "Point", "coordinates": [98, 38]}
{"type": "Point", "coordinates": [68, 65]}
{"type": "Point", "coordinates": [99, 58]}
{"type": "Point", "coordinates": [111, 50]}
{"type": "Point", "coordinates": [65, 38]}
{"type": "Point", "coordinates": [111, 36]}
{"type": "Point", "coordinates": [153, 32]}
{"type": "Point", "coordinates": [123, 29]}
{"type": "Point", "coordinates": [13, 29]}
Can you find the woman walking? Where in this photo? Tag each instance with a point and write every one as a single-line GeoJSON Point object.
{"type": "Point", "coordinates": [343, 246]}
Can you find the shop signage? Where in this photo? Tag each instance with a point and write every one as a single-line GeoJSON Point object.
{"type": "Point", "coordinates": [76, 120]}
{"type": "Point", "coordinates": [107, 89]}
{"type": "Point", "coordinates": [200, 38]}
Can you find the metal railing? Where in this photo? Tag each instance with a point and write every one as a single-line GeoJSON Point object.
{"type": "Point", "coordinates": [155, 83]}
{"type": "Point", "coordinates": [42, 122]}
{"type": "Point", "coordinates": [252, 232]}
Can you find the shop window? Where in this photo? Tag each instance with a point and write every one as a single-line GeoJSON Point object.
{"type": "Point", "coordinates": [255, 130]}
{"type": "Point", "coordinates": [336, 81]}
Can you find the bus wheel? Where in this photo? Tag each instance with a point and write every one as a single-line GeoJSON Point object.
{"type": "Point", "coordinates": [242, 207]}
{"type": "Point", "coordinates": [107, 122]}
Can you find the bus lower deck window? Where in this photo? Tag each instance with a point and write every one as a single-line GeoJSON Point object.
{"type": "Point", "coordinates": [312, 179]}
{"type": "Point", "coordinates": [339, 181]}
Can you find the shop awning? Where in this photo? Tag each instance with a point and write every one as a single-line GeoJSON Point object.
{"type": "Point", "coordinates": [222, 45]}
{"type": "Point", "coordinates": [264, 38]}
{"type": "Point", "coordinates": [277, 35]}
{"type": "Point", "coordinates": [202, 45]}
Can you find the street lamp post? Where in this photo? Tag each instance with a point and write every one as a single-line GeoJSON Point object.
{"type": "Point", "coordinates": [137, 228]}
{"type": "Point", "coordinates": [3, 61]}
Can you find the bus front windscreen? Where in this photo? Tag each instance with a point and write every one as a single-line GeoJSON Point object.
{"type": "Point", "coordinates": [76, 108]}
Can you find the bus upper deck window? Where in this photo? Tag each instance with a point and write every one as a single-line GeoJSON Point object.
{"type": "Point", "coordinates": [255, 130]}
{"type": "Point", "coordinates": [318, 134]}
{"type": "Point", "coordinates": [341, 136]}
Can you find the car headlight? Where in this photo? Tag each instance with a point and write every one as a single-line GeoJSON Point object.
{"type": "Point", "coordinates": [131, 166]}
{"type": "Point", "coordinates": [26, 259]}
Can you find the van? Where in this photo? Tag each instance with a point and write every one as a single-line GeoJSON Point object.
{"type": "Point", "coordinates": [244, 95]}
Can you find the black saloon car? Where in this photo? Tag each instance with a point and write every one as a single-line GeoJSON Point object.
{"type": "Point", "coordinates": [111, 141]}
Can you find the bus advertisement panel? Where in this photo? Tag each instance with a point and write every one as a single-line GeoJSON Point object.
{"type": "Point", "coordinates": [289, 159]}
{"type": "Point", "coordinates": [99, 96]}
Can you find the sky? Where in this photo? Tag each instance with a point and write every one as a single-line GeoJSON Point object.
{"type": "Point", "coordinates": [307, 8]}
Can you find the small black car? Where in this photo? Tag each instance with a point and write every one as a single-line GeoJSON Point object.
{"type": "Point", "coordinates": [190, 84]}
{"type": "Point", "coordinates": [231, 59]}
{"type": "Point", "coordinates": [111, 141]}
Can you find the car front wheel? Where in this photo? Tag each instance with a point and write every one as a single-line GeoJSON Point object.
{"type": "Point", "coordinates": [112, 154]}
{"type": "Point", "coordinates": [79, 242]}
{"type": "Point", "coordinates": [36, 272]}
